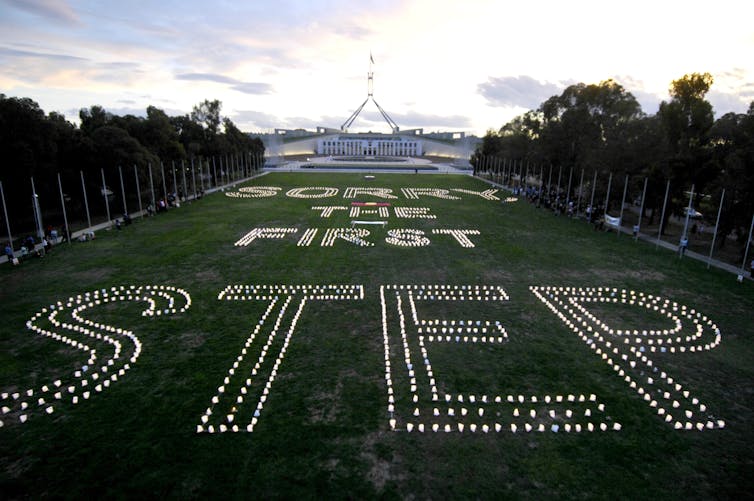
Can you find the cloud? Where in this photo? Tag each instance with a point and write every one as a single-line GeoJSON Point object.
{"type": "Point", "coordinates": [37, 66]}
{"type": "Point", "coordinates": [352, 31]}
{"type": "Point", "coordinates": [55, 10]}
{"type": "Point", "coordinates": [649, 101]}
{"type": "Point", "coordinates": [747, 90]}
{"type": "Point", "coordinates": [206, 77]}
{"type": "Point", "coordinates": [522, 91]}
{"type": "Point", "coordinates": [724, 102]}
{"type": "Point", "coordinates": [255, 88]}
{"type": "Point", "coordinates": [15, 53]}
{"type": "Point", "coordinates": [254, 120]}
{"type": "Point", "coordinates": [428, 120]}
{"type": "Point", "coordinates": [413, 119]}
{"type": "Point", "coordinates": [248, 119]}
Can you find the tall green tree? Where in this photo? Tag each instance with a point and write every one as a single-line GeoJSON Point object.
{"type": "Point", "coordinates": [587, 124]}
{"type": "Point", "coordinates": [686, 120]}
{"type": "Point", "coordinates": [207, 114]}
{"type": "Point", "coordinates": [731, 140]}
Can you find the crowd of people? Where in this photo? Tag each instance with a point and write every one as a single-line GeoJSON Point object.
{"type": "Point", "coordinates": [562, 204]}
{"type": "Point", "coordinates": [31, 247]}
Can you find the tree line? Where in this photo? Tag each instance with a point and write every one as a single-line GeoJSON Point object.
{"type": "Point", "coordinates": [42, 145]}
{"type": "Point", "coordinates": [602, 129]}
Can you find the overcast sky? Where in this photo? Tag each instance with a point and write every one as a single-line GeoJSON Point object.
{"type": "Point", "coordinates": [441, 65]}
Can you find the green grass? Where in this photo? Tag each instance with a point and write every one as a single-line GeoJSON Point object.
{"type": "Point", "coordinates": [324, 430]}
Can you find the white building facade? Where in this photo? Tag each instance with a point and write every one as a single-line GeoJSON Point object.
{"type": "Point", "coordinates": [370, 146]}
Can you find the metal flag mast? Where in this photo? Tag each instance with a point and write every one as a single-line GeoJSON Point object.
{"type": "Point", "coordinates": [370, 95]}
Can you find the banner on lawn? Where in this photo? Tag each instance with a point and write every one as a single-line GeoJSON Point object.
{"type": "Point", "coordinates": [612, 221]}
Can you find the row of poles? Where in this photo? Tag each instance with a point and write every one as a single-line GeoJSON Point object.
{"type": "Point", "coordinates": [232, 169]}
{"type": "Point", "coordinates": [509, 170]}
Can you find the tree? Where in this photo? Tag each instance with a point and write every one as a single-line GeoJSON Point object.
{"type": "Point", "coordinates": [586, 124]}
{"type": "Point", "coordinates": [93, 118]}
{"type": "Point", "coordinates": [207, 114]}
{"type": "Point", "coordinates": [115, 147]}
{"type": "Point", "coordinates": [160, 136]}
{"type": "Point", "coordinates": [686, 119]}
{"type": "Point", "coordinates": [731, 140]}
{"type": "Point", "coordinates": [190, 134]}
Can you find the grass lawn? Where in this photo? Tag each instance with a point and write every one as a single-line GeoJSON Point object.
{"type": "Point", "coordinates": [307, 369]}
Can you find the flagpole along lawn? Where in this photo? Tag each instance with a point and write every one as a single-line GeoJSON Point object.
{"type": "Point", "coordinates": [303, 315]}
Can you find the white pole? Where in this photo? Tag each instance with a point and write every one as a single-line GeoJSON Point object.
{"type": "Point", "coordinates": [581, 189]}
{"type": "Point", "coordinates": [688, 214]}
{"type": "Point", "coordinates": [138, 190]}
{"type": "Point", "coordinates": [568, 192]}
{"type": "Point", "coordinates": [607, 196]}
{"type": "Point", "coordinates": [622, 204]}
{"type": "Point", "coordinates": [717, 223]}
{"type": "Point", "coordinates": [193, 176]}
{"type": "Point", "coordinates": [662, 216]}
{"type": "Point", "coordinates": [175, 183]}
{"type": "Point", "coordinates": [560, 173]}
{"type": "Point", "coordinates": [122, 191]}
{"type": "Point", "coordinates": [748, 241]}
{"type": "Point", "coordinates": [104, 193]}
{"type": "Point", "coordinates": [641, 210]}
{"type": "Point", "coordinates": [164, 184]}
{"type": "Point", "coordinates": [37, 212]}
{"type": "Point", "coordinates": [201, 175]}
{"type": "Point", "coordinates": [594, 187]}
{"type": "Point", "coordinates": [65, 215]}
{"type": "Point", "coordinates": [5, 211]}
{"type": "Point", "coordinates": [86, 200]}
{"type": "Point", "coordinates": [151, 187]}
{"type": "Point", "coordinates": [185, 187]}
